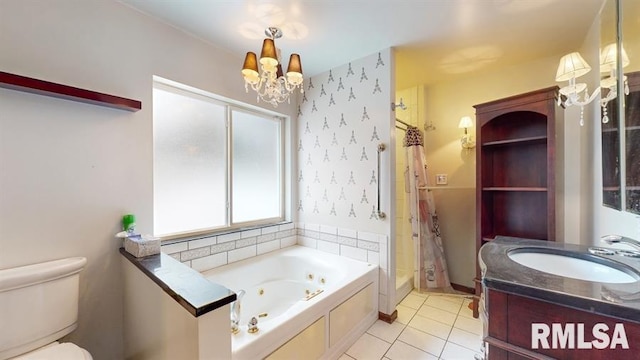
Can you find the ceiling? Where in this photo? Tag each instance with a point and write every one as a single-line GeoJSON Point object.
{"type": "Point", "coordinates": [434, 40]}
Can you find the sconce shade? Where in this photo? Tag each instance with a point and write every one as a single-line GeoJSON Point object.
{"type": "Point", "coordinates": [572, 66]}
{"type": "Point", "coordinates": [465, 122]}
{"type": "Point", "coordinates": [608, 57]}
{"type": "Point", "coordinates": [250, 68]}
{"type": "Point", "coordinates": [294, 71]}
{"type": "Point", "coordinates": [269, 56]}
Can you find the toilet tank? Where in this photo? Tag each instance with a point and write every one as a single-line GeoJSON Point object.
{"type": "Point", "coordinates": [38, 304]}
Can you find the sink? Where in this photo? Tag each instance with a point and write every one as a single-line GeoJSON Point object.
{"type": "Point", "coordinates": [574, 265]}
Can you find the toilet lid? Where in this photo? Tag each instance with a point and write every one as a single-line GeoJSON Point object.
{"type": "Point", "coordinates": [66, 351]}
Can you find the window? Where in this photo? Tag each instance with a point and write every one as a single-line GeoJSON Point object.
{"type": "Point", "coordinates": [216, 165]}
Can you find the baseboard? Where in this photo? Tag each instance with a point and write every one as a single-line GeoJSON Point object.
{"type": "Point", "coordinates": [465, 289]}
{"type": "Point", "coordinates": [388, 318]}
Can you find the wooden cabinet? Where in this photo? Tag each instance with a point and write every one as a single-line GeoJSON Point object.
{"type": "Point", "coordinates": [510, 331]}
{"type": "Point", "coordinates": [516, 175]}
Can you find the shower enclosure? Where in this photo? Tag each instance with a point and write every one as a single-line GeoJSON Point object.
{"type": "Point", "coordinates": [405, 252]}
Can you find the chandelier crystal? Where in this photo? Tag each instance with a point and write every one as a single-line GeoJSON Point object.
{"type": "Point", "coordinates": [270, 84]}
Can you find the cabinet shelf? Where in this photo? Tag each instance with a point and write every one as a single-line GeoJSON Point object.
{"type": "Point", "coordinates": [41, 87]}
{"type": "Point", "coordinates": [515, 178]}
{"type": "Point", "coordinates": [524, 140]}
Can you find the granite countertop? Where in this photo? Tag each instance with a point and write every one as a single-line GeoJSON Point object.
{"type": "Point", "coordinates": [501, 273]}
{"type": "Point", "coordinates": [185, 285]}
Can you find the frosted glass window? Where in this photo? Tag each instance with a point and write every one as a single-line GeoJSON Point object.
{"type": "Point", "coordinates": [216, 166]}
{"type": "Point", "coordinates": [190, 162]}
{"type": "Point", "coordinates": [256, 167]}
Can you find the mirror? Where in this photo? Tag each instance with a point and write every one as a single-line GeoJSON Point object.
{"type": "Point", "coordinates": [631, 44]}
{"type": "Point", "coordinates": [611, 171]}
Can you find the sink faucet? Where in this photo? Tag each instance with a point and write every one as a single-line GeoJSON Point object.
{"type": "Point", "coordinates": [617, 239]}
{"type": "Point", "coordinates": [235, 312]}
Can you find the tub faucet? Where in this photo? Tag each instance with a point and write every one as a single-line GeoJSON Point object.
{"type": "Point", "coordinates": [617, 239]}
{"type": "Point", "coordinates": [235, 312]}
{"type": "Point", "coordinates": [252, 327]}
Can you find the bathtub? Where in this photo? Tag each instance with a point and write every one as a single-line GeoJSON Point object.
{"type": "Point", "coordinates": [309, 304]}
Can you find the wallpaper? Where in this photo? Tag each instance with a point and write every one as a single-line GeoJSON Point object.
{"type": "Point", "coordinates": [343, 115]}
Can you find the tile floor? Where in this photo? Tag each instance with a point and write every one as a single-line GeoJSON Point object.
{"type": "Point", "coordinates": [428, 327]}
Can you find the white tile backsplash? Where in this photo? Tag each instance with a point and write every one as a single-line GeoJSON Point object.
{"type": "Point", "coordinates": [268, 246]}
{"type": "Point", "coordinates": [288, 241]}
{"type": "Point", "coordinates": [242, 253]}
{"type": "Point", "coordinates": [229, 237]}
{"type": "Point", "coordinates": [328, 229]}
{"type": "Point", "coordinates": [347, 232]}
{"type": "Point", "coordinates": [354, 253]}
{"type": "Point", "coordinates": [209, 262]}
{"type": "Point", "coordinates": [329, 247]}
{"type": "Point", "coordinates": [174, 248]}
{"type": "Point", "coordinates": [208, 241]}
{"type": "Point", "coordinates": [363, 235]}
{"type": "Point", "coordinates": [250, 233]}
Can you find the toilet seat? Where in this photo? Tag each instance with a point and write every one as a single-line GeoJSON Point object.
{"type": "Point", "coordinates": [56, 350]}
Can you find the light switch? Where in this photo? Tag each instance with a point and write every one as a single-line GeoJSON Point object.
{"type": "Point", "coordinates": [441, 179]}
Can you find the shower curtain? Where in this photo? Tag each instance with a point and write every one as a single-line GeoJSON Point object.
{"type": "Point", "coordinates": [430, 263]}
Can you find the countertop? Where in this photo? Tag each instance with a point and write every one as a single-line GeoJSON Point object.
{"type": "Point", "coordinates": [185, 285]}
{"type": "Point", "coordinates": [503, 274]}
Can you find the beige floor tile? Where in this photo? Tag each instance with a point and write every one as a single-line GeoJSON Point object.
{"type": "Point", "coordinates": [385, 331]}
{"type": "Point", "coordinates": [466, 311]}
{"type": "Point", "coordinates": [402, 351]}
{"type": "Point", "coordinates": [470, 325]}
{"type": "Point", "coordinates": [464, 338]}
{"type": "Point", "coordinates": [443, 304]}
{"type": "Point", "coordinates": [437, 314]}
{"type": "Point", "coordinates": [345, 357]}
{"type": "Point", "coordinates": [430, 326]}
{"type": "Point", "coordinates": [405, 314]}
{"type": "Point", "coordinates": [368, 347]}
{"type": "Point", "coordinates": [423, 341]}
{"type": "Point", "coordinates": [417, 293]}
{"type": "Point", "coordinates": [455, 352]}
{"type": "Point", "coordinates": [413, 301]}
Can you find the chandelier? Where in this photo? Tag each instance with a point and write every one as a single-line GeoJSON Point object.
{"type": "Point", "coordinates": [270, 84]}
{"type": "Point", "coordinates": [573, 66]}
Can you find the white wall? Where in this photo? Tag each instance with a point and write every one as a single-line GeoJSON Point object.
{"type": "Point", "coordinates": [69, 171]}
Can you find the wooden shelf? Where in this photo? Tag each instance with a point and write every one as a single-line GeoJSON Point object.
{"type": "Point", "coordinates": [532, 139]}
{"type": "Point", "coordinates": [512, 188]}
{"type": "Point", "coordinates": [41, 87]}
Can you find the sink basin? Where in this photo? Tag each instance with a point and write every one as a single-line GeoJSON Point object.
{"type": "Point", "coordinates": [573, 265]}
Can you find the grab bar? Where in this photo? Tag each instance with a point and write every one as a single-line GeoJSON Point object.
{"type": "Point", "coordinates": [381, 215]}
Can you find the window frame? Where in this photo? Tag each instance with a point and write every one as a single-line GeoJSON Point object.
{"type": "Point", "coordinates": [231, 106]}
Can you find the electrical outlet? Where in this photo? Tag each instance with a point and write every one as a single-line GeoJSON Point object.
{"type": "Point", "coordinates": [441, 179]}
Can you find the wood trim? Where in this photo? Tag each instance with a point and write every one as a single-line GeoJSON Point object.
{"type": "Point", "coordinates": [388, 318]}
{"type": "Point", "coordinates": [41, 87]}
{"type": "Point", "coordinates": [511, 349]}
{"type": "Point", "coordinates": [464, 289]}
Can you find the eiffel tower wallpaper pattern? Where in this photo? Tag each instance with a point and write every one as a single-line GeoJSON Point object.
{"type": "Point", "coordinates": [342, 117]}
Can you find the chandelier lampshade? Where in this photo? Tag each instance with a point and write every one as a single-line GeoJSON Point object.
{"type": "Point", "coordinates": [294, 71]}
{"type": "Point", "coordinates": [269, 56]}
{"type": "Point", "coordinates": [269, 81]}
{"type": "Point", "coordinates": [250, 68]}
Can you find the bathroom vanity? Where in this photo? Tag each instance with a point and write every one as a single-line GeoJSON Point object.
{"type": "Point", "coordinates": [578, 305]}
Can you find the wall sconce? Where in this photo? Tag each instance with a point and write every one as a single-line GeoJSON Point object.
{"type": "Point", "coordinates": [466, 141]}
{"type": "Point", "coordinates": [573, 66]}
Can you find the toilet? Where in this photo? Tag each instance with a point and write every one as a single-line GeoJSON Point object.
{"type": "Point", "coordinates": [38, 306]}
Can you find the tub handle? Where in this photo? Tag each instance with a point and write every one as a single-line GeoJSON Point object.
{"type": "Point", "coordinates": [252, 327]}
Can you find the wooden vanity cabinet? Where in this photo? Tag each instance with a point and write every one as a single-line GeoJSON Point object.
{"type": "Point", "coordinates": [509, 330]}
{"type": "Point", "coordinates": [516, 163]}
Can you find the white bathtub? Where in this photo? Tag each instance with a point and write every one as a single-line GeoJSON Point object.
{"type": "Point", "coordinates": [280, 288]}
